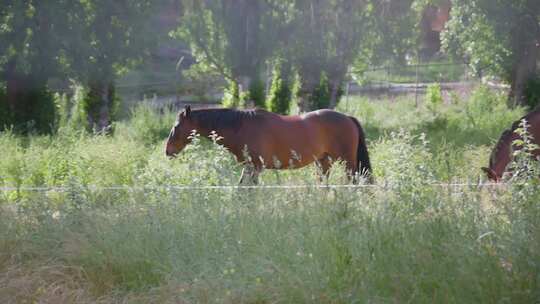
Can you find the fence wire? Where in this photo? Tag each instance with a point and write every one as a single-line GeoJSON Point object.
{"type": "Point", "coordinates": [240, 187]}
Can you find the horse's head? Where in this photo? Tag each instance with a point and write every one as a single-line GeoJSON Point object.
{"type": "Point", "coordinates": [491, 174]}
{"type": "Point", "coordinates": [500, 157]}
{"type": "Point", "coordinates": [180, 133]}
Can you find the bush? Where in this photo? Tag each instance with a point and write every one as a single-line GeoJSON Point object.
{"type": "Point", "coordinates": [71, 110]}
{"type": "Point", "coordinates": [280, 92]}
{"type": "Point", "coordinates": [321, 93]}
{"type": "Point", "coordinates": [35, 112]}
{"type": "Point", "coordinates": [434, 98]}
{"type": "Point", "coordinates": [488, 110]}
{"type": "Point", "coordinates": [146, 124]}
{"type": "Point", "coordinates": [232, 97]}
{"type": "Point", "coordinates": [524, 166]}
{"type": "Point", "coordinates": [256, 93]}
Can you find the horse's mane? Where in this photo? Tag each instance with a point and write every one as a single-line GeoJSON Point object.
{"type": "Point", "coordinates": [507, 134]}
{"type": "Point", "coordinates": [218, 119]}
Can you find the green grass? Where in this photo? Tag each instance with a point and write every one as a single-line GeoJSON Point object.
{"type": "Point", "coordinates": [406, 241]}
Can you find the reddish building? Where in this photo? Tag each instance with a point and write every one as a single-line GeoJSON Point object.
{"type": "Point", "coordinates": [432, 24]}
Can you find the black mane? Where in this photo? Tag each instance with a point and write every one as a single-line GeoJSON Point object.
{"type": "Point", "coordinates": [218, 119]}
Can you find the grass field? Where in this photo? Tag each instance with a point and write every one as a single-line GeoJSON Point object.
{"type": "Point", "coordinates": [405, 241]}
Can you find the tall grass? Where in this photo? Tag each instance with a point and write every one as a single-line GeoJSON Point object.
{"type": "Point", "coordinates": [406, 240]}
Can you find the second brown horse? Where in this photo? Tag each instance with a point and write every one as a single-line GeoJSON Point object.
{"type": "Point", "coordinates": [267, 140]}
{"type": "Point", "coordinates": [501, 155]}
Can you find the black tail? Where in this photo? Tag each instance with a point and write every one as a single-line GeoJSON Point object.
{"type": "Point", "coordinates": [362, 155]}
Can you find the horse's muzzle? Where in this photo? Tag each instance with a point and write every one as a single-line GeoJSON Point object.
{"type": "Point", "coordinates": [170, 154]}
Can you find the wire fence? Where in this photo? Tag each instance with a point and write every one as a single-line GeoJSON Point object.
{"type": "Point", "coordinates": [386, 76]}
{"type": "Point", "coordinates": [386, 186]}
{"type": "Point", "coordinates": [416, 73]}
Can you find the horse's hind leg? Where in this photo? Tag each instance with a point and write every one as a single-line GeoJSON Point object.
{"type": "Point", "coordinates": [324, 166]}
{"type": "Point", "coordinates": [352, 171]}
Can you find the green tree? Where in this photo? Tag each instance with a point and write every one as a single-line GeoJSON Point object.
{"type": "Point", "coordinates": [109, 38]}
{"type": "Point", "coordinates": [499, 38]}
{"type": "Point", "coordinates": [280, 90]}
{"type": "Point", "coordinates": [329, 36]}
{"type": "Point", "coordinates": [234, 37]}
{"type": "Point", "coordinates": [324, 45]}
{"type": "Point", "coordinates": [92, 42]}
{"type": "Point", "coordinates": [29, 57]}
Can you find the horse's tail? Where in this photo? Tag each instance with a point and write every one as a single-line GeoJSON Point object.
{"type": "Point", "coordinates": [362, 155]}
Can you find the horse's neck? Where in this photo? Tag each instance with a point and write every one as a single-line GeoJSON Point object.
{"type": "Point", "coordinates": [209, 132]}
{"type": "Point", "coordinates": [503, 156]}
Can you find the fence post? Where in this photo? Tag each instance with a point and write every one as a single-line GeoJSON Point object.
{"type": "Point", "coordinates": [347, 87]}
{"type": "Point", "coordinates": [387, 68]}
{"type": "Point", "coordinates": [416, 83]}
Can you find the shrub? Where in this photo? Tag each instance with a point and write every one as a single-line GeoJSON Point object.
{"type": "Point", "coordinates": [280, 91]}
{"type": "Point", "coordinates": [434, 98]}
{"type": "Point", "coordinates": [71, 110]}
{"type": "Point", "coordinates": [256, 93]}
{"type": "Point", "coordinates": [321, 94]}
{"type": "Point", "coordinates": [232, 97]}
{"type": "Point", "coordinates": [524, 166]}
{"type": "Point", "coordinates": [488, 111]}
{"type": "Point", "coordinates": [146, 124]}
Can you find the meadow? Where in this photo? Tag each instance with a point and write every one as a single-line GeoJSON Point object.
{"type": "Point", "coordinates": [429, 231]}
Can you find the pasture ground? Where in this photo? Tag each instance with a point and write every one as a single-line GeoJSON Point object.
{"type": "Point", "coordinates": [410, 239]}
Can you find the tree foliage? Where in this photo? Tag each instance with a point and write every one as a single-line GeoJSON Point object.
{"type": "Point", "coordinates": [233, 37]}
{"type": "Point", "coordinates": [92, 42]}
{"type": "Point", "coordinates": [111, 37]}
{"type": "Point", "coordinates": [326, 38]}
{"type": "Point", "coordinates": [280, 90]}
{"type": "Point", "coordinates": [30, 33]}
{"type": "Point", "coordinates": [330, 36]}
{"type": "Point", "coordinates": [499, 38]}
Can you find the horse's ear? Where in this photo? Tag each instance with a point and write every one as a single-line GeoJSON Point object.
{"type": "Point", "coordinates": [491, 174]}
{"type": "Point", "coordinates": [187, 110]}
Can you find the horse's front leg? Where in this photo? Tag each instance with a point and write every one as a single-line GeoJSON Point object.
{"type": "Point", "coordinates": [250, 176]}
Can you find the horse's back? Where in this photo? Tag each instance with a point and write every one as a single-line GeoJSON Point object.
{"type": "Point", "coordinates": [311, 136]}
{"type": "Point", "coordinates": [333, 124]}
{"type": "Point", "coordinates": [325, 115]}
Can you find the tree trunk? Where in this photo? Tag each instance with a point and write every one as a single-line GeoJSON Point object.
{"type": "Point", "coordinates": [28, 104]}
{"type": "Point", "coordinates": [12, 86]}
{"type": "Point", "coordinates": [335, 86]}
{"type": "Point", "coordinates": [100, 103]}
{"type": "Point", "coordinates": [305, 96]}
{"type": "Point", "coordinates": [303, 101]}
{"type": "Point", "coordinates": [523, 71]}
{"type": "Point", "coordinates": [309, 80]}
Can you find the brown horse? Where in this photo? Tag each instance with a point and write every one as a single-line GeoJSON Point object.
{"type": "Point", "coordinates": [261, 139]}
{"type": "Point", "coordinates": [502, 153]}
